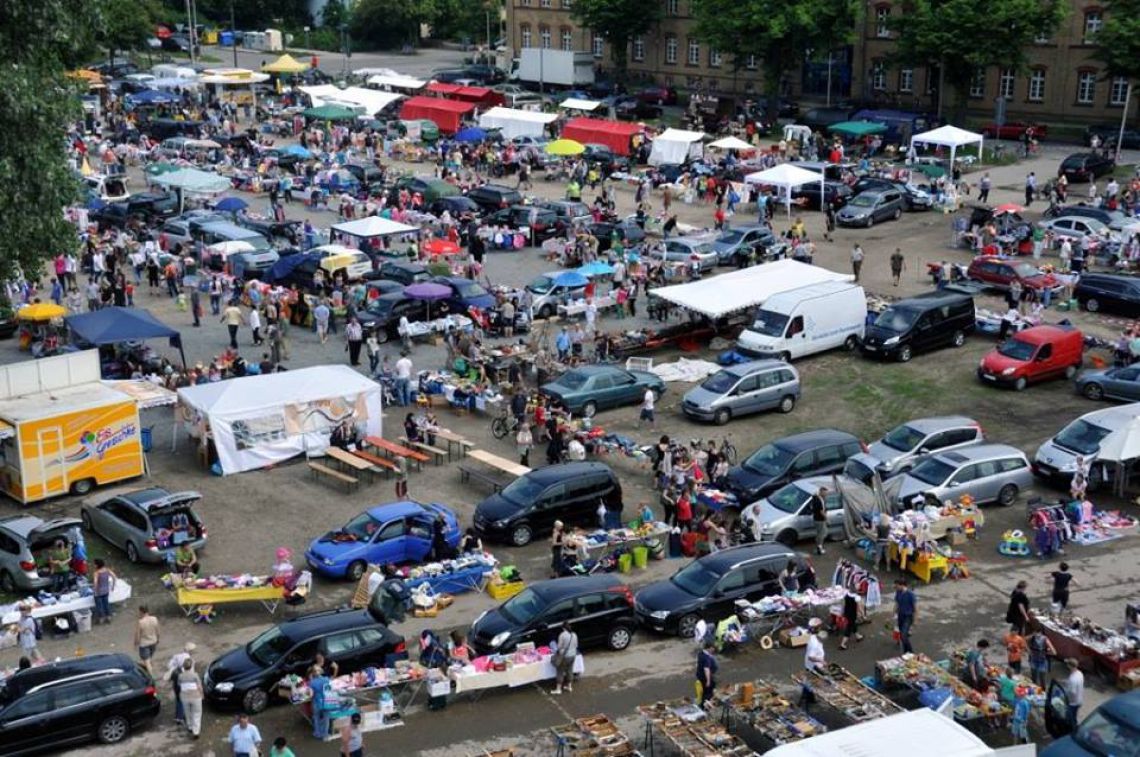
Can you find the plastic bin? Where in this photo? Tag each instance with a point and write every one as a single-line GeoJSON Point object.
{"type": "Point", "coordinates": [82, 621]}
{"type": "Point", "coordinates": [625, 562]}
{"type": "Point", "coordinates": [640, 557]}
{"type": "Point", "coordinates": [505, 591]}
{"type": "Point", "coordinates": [226, 39]}
{"type": "Point", "coordinates": [146, 437]}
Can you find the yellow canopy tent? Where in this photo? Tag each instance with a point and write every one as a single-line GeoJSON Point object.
{"type": "Point", "coordinates": [286, 64]}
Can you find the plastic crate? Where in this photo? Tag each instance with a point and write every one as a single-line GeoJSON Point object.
{"type": "Point", "coordinates": [505, 591]}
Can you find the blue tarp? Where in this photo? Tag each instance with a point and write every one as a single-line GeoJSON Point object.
{"type": "Point", "coordinates": [152, 97]}
{"type": "Point", "coordinates": [114, 325]}
{"type": "Point", "coordinates": [286, 265]}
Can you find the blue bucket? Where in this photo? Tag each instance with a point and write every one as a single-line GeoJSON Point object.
{"type": "Point", "coordinates": [146, 437]}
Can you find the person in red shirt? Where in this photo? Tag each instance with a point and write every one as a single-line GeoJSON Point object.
{"type": "Point", "coordinates": [685, 510]}
{"type": "Point", "coordinates": [719, 218]}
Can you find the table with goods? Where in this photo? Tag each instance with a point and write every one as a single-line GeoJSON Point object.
{"type": "Point", "coordinates": [788, 614]}
{"type": "Point", "coordinates": [1020, 684]}
{"type": "Point", "coordinates": [45, 604]}
{"type": "Point", "coordinates": [933, 682]}
{"type": "Point", "coordinates": [526, 665]}
{"type": "Point", "coordinates": [592, 736]}
{"type": "Point", "coordinates": [196, 595]}
{"type": "Point", "coordinates": [1094, 647]}
{"type": "Point", "coordinates": [623, 548]}
{"type": "Point", "coordinates": [844, 692]}
{"type": "Point", "coordinates": [689, 731]}
{"type": "Point", "coordinates": [764, 717]}
{"type": "Point", "coordinates": [915, 534]}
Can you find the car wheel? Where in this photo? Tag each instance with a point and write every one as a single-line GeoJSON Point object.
{"type": "Point", "coordinates": [687, 626]}
{"type": "Point", "coordinates": [590, 409]}
{"type": "Point", "coordinates": [7, 583]}
{"type": "Point", "coordinates": [113, 729]}
{"type": "Point", "coordinates": [788, 537]}
{"type": "Point", "coordinates": [787, 404]}
{"type": "Point", "coordinates": [619, 638]}
{"type": "Point", "coordinates": [355, 570]}
{"type": "Point", "coordinates": [382, 335]}
{"type": "Point", "coordinates": [255, 701]}
{"type": "Point", "coordinates": [722, 416]}
{"type": "Point", "coordinates": [785, 357]}
{"type": "Point", "coordinates": [545, 311]}
{"type": "Point", "coordinates": [959, 339]}
{"type": "Point", "coordinates": [1020, 384]}
{"type": "Point", "coordinates": [1007, 496]}
{"type": "Point", "coordinates": [132, 552]}
{"type": "Point", "coordinates": [905, 354]}
{"type": "Point", "coordinates": [83, 486]}
{"type": "Point", "coordinates": [86, 518]}
{"type": "Point", "coordinates": [898, 213]}
{"type": "Point", "coordinates": [870, 221]}
{"type": "Point", "coordinates": [850, 343]}
{"type": "Point", "coordinates": [1071, 371]}
{"type": "Point", "coordinates": [1092, 305]}
{"type": "Point", "coordinates": [1093, 391]}
{"type": "Point", "coordinates": [521, 536]}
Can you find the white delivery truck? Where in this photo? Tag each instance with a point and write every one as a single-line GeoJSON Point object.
{"type": "Point", "coordinates": [563, 68]}
{"type": "Point", "coordinates": [807, 320]}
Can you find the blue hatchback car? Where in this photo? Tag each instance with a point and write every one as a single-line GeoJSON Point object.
{"type": "Point", "coordinates": [465, 294]}
{"type": "Point", "coordinates": [394, 533]}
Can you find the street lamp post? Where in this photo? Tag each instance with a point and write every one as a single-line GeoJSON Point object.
{"type": "Point", "coordinates": [344, 49]}
{"type": "Point", "coordinates": [1123, 119]}
{"type": "Point", "coordinates": [233, 31]}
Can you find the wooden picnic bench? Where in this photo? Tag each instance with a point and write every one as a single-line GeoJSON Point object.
{"type": "Point", "coordinates": [324, 470]}
{"type": "Point", "coordinates": [350, 461]}
{"type": "Point", "coordinates": [435, 452]}
{"type": "Point", "coordinates": [498, 463]}
{"type": "Point", "coordinates": [453, 439]}
{"type": "Point", "coordinates": [468, 472]}
{"type": "Point", "coordinates": [395, 449]}
{"type": "Point", "coordinates": [383, 463]}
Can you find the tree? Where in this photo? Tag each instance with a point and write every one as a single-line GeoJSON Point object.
{"type": "Point", "coordinates": [1118, 41]}
{"type": "Point", "coordinates": [390, 23]}
{"type": "Point", "coordinates": [334, 14]}
{"type": "Point", "coordinates": [962, 37]}
{"type": "Point", "coordinates": [777, 32]}
{"type": "Point", "coordinates": [124, 25]}
{"type": "Point", "coordinates": [457, 19]}
{"type": "Point", "coordinates": [619, 21]}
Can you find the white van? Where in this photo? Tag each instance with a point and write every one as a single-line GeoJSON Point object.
{"type": "Point", "coordinates": [1056, 459]}
{"type": "Point", "coordinates": [807, 320]}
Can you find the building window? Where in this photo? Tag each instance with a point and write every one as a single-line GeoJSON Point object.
{"type": "Point", "coordinates": [671, 48]}
{"type": "Point", "coordinates": [978, 83]}
{"type": "Point", "coordinates": [524, 3]}
{"type": "Point", "coordinates": [1042, 38]}
{"type": "Point", "coordinates": [1086, 87]}
{"type": "Point", "coordinates": [714, 58]}
{"type": "Point", "coordinates": [750, 63]}
{"type": "Point", "coordinates": [543, 3]}
{"type": "Point", "coordinates": [1037, 85]}
{"type": "Point", "coordinates": [673, 7]}
{"type": "Point", "coordinates": [879, 76]}
{"type": "Point", "coordinates": [694, 58]}
{"type": "Point", "coordinates": [567, 4]}
{"type": "Point", "coordinates": [906, 80]}
{"type": "Point", "coordinates": [567, 39]}
{"type": "Point", "coordinates": [544, 37]}
{"type": "Point", "coordinates": [1093, 22]}
{"type": "Point", "coordinates": [599, 44]}
{"type": "Point", "coordinates": [1119, 91]}
{"type": "Point", "coordinates": [524, 33]}
{"type": "Point", "coordinates": [1006, 84]}
{"type": "Point", "coordinates": [638, 48]}
{"type": "Point", "coordinates": [882, 24]}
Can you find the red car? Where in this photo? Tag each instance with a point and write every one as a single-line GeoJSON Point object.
{"type": "Point", "coordinates": [657, 95]}
{"type": "Point", "coordinates": [1036, 354]}
{"type": "Point", "coordinates": [1014, 130]}
{"type": "Point", "coordinates": [1000, 273]}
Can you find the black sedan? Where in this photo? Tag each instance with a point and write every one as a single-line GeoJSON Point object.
{"type": "Point", "coordinates": [604, 158]}
{"type": "Point", "coordinates": [635, 109]}
{"type": "Point", "coordinates": [1085, 166]}
{"type": "Point", "coordinates": [628, 232]}
{"type": "Point", "coordinates": [403, 272]}
{"type": "Point", "coordinates": [382, 314]}
{"type": "Point", "coordinates": [837, 193]}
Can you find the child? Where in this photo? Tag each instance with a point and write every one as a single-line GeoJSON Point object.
{"type": "Point", "coordinates": [1015, 646]}
{"type": "Point", "coordinates": [1019, 724]}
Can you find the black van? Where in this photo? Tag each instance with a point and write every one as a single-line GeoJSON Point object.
{"type": "Point", "coordinates": [569, 492]}
{"type": "Point", "coordinates": [926, 322]}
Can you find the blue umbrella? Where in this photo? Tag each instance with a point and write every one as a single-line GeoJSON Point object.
{"type": "Point", "coordinates": [297, 150]}
{"type": "Point", "coordinates": [470, 134]}
{"type": "Point", "coordinates": [571, 279]}
{"type": "Point", "coordinates": [596, 268]}
{"type": "Point", "coordinates": [152, 97]}
{"type": "Point", "coordinates": [231, 205]}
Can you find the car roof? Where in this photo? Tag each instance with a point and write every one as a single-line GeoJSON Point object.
{"type": "Point", "coordinates": [498, 188]}
{"type": "Point", "coordinates": [141, 497]}
{"type": "Point", "coordinates": [596, 370]}
{"type": "Point", "coordinates": [812, 439]}
{"type": "Point", "coordinates": [932, 299]}
{"type": "Point", "coordinates": [978, 452]}
{"type": "Point", "coordinates": [552, 473]}
{"type": "Point", "coordinates": [1086, 277]}
{"type": "Point", "coordinates": [939, 422]}
{"type": "Point", "coordinates": [21, 525]}
{"type": "Point", "coordinates": [1042, 334]}
{"type": "Point", "coordinates": [341, 618]}
{"type": "Point", "coordinates": [25, 680]}
{"type": "Point", "coordinates": [394, 510]}
{"type": "Point", "coordinates": [560, 588]}
{"type": "Point", "coordinates": [725, 559]}
{"type": "Point", "coordinates": [1124, 707]}
{"type": "Point", "coordinates": [752, 366]}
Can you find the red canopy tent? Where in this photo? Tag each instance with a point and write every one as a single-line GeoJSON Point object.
{"type": "Point", "coordinates": [481, 96]}
{"type": "Point", "coordinates": [613, 134]}
{"type": "Point", "coordinates": [444, 113]}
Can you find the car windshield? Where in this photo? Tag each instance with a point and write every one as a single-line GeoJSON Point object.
{"type": "Point", "coordinates": [720, 382]}
{"type": "Point", "coordinates": [362, 527]}
{"type": "Point", "coordinates": [471, 289]}
{"type": "Point", "coordinates": [381, 306]}
{"type": "Point", "coordinates": [769, 460]}
{"type": "Point", "coordinates": [1015, 349]}
{"type": "Point", "coordinates": [858, 471]}
{"type": "Point", "coordinates": [862, 201]}
{"type": "Point", "coordinates": [730, 237]}
{"type": "Point", "coordinates": [896, 319]}
{"type": "Point", "coordinates": [695, 578]}
{"type": "Point", "coordinates": [269, 647]}
{"type": "Point", "coordinates": [1082, 437]}
{"type": "Point", "coordinates": [1105, 735]}
{"type": "Point", "coordinates": [541, 285]}
{"type": "Point", "coordinates": [703, 248]}
{"type": "Point", "coordinates": [788, 499]}
{"type": "Point", "coordinates": [769, 323]}
{"type": "Point", "coordinates": [903, 438]}
{"type": "Point", "coordinates": [522, 491]}
{"type": "Point", "coordinates": [1025, 270]}
{"type": "Point", "coordinates": [572, 380]}
{"type": "Point", "coordinates": [523, 607]}
{"type": "Point", "coordinates": [932, 471]}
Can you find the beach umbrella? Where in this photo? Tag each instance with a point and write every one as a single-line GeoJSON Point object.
{"type": "Point", "coordinates": [231, 205]}
{"type": "Point", "coordinates": [565, 147]}
{"type": "Point", "coordinates": [596, 268]}
{"type": "Point", "coordinates": [1008, 207]}
{"type": "Point", "coordinates": [470, 134]}
{"type": "Point", "coordinates": [427, 291]}
{"type": "Point", "coordinates": [571, 279]}
{"type": "Point", "coordinates": [41, 311]}
{"type": "Point", "coordinates": [438, 246]}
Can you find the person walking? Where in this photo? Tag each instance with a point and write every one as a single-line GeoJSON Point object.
{"type": "Point", "coordinates": [906, 609]}
{"type": "Point", "coordinates": [354, 337]}
{"type": "Point", "coordinates": [404, 370]}
{"type": "Point", "coordinates": [255, 325]}
{"type": "Point", "coordinates": [830, 220]}
{"type": "Point", "coordinates": [985, 184]}
{"type": "Point", "coordinates": [196, 306]}
{"type": "Point", "coordinates": [352, 737]}
{"type": "Point", "coordinates": [1062, 579]}
{"type": "Point", "coordinates": [1040, 650]}
{"type": "Point", "coordinates": [524, 440]}
{"type": "Point", "coordinates": [564, 655]}
{"type": "Point", "coordinates": [1075, 689]}
{"type": "Point", "coordinates": [231, 316]}
{"type": "Point", "coordinates": [173, 670]}
{"type": "Point", "coordinates": [103, 582]}
{"type": "Point", "coordinates": [1030, 188]}
{"type": "Point", "coordinates": [647, 414]}
{"type": "Point", "coordinates": [281, 748]}
{"type": "Point", "coordinates": [818, 508]}
{"type": "Point", "coordinates": [322, 316]}
{"type": "Point", "coordinates": [1017, 614]}
{"type": "Point", "coordinates": [707, 667]}
{"type": "Point", "coordinates": [146, 637]}
{"type": "Point", "coordinates": [244, 737]}
{"type": "Point", "coordinates": [814, 656]}
{"type": "Point", "coordinates": [898, 265]}
{"type": "Point", "coordinates": [188, 684]}
{"type": "Point", "coordinates": [851, 619]}
{"type": "Point", "coordinates": [856, 260]}
{"type": "Point", "coordinates": [26, 634]}
{"type": "Point", "coordinates": [401, 477]}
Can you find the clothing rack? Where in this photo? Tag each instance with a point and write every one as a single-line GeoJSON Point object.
{"type": "Point", "coordinates": [858, 579]}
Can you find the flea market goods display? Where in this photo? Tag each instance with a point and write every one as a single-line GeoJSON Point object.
{"type": "Point", "coordinates": [758, 707]}
{"type": "Point", "coordinates": [1095, 647]}
{"type": "Point", "coordinates": [1055, 525]}
{"type": "Point", "coordinates": [758, 621]}
{"type": "Point", "coordinates": [690, 731]}
{"type": "Point", "coordinates": [526, 665]}
{"type": "Point", "coordinates": [296, 689]}
{"type": "Point", "coordinates": [367, 693]}
{"type": "Point", "coordinates": [466, 573]}
{"type": "Point", "coordinates": [716, 500]}
{"type": "Point", "coordinates": [197, 595]}
{"type": "Point", "coordinates": [921, 674]}
{"type": "Point", "coordinates": [842, 690]}
{"type": "Point", "coordinates": [44, 604]}
{"type": "Point", "coordinates": [593, 736]}
{"type": "Point", "coordinates": [461, 388]}
{"type": "Point", "coordinates": [1008, 688]}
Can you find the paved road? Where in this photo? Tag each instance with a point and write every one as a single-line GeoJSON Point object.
{"type": "Point", "coordinates": [420, 63]}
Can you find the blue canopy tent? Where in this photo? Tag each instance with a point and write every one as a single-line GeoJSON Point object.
{"type": "Point", "coordinates": [571, 279]}
{"type": "Point", "coordinates": [152, 97]}
{"type": "Point", "coordinates": [470, 134]}
{"type": "Point", "coordinates": [113, 325]}
{"type": "Point", "coordinates": [288, 263]}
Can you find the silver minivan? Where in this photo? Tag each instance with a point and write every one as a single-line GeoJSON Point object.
{"type": "Point", "coordinates": [1056, 459]}
{"type": "Point", "coordinates": [900, 448]}
{"type": "Point", "coordinates": [784, 515]}
{"type": "Point", "coordinates": [742, 389]}
{"type": "Point", "coordinates": [986, 472]}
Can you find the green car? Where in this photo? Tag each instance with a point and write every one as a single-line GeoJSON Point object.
{"type": "Point", "coordinates": [586, 390]}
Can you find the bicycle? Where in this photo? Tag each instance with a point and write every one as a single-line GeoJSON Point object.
{"type": "Point", "coordinates": [504, 424]}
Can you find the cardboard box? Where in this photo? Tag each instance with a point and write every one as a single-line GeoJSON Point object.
{"type": "Point", "coordinates": [1129, 680]}
{"type": "Point", "coordinates": [955, 538]}
{"type": "Point", "coordinates": [787, 639]}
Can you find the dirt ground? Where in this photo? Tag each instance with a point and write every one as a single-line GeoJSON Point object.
{"type": "Point", "coordinates": [250, 515]}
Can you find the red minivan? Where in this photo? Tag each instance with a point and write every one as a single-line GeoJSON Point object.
{"type": "Point", "coordinates": [1036, 354]}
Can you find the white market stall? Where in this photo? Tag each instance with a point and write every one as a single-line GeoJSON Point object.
{"type": "Point", "coordinates": [676, 146]}
{"type": "Point", "coordinates": [234, 85]}
{"type": "Point", "coordinates": [512, 122]}
{"type": "Point", "coordinates": [950, 136]}
{"type": "Point", "coordinates": [747, 288]}
{"type": "Point", "coordinates": [731, 143]}
{"type": "Point", "coordinates": [361, 99]}
{"type": "Point", "coordinates": [256, 421]}
{"type": "Point", "coordinates": [787, 178]}
{"type": "Point", "coordinates": [574, 103]}
{"type": "Point", "coordinates": [394, 82]}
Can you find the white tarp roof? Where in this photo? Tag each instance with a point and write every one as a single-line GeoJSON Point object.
{"type": "Point", "coordinates": [1122, 444]}
{"type": "Point", "coordinates": [947, 136]}
{"type": "Point", "coordinates": [373, 226]}
{"type": "Point", "coordinates": [512, 122]}
{"type": "Point", "coordinates": [318, 93]}
{"type": "Point", "coordinates": [399, 82]}
{"type": "Point", "coordinates": [371, 100]}
{"type": "Point", "coordinates": [271, 390]}
{"type": "Point", "coordinates": [573, 103]}
{"type": "Point", "coordinates": [784, 175]}
{"type": "Point", "coordinates": [731, 143]}
{"type": "Point", "coordinates": [939, 735]}
{"type": "Point", "coordinates": [675, 146]}
{"type": "Point", "coordinates": [746, 288]}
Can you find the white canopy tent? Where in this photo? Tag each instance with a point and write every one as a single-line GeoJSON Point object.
{"type": "Point", "coordinates": [786, 178]}
{"type": "Point", "coordinates": [512, 122]}
{"type": "Point", "coordinates": [373, 226]}
{"type": "Point", "coordinates": [949, 136]}
{"type": "Point", "coordinates": [731, 143]}
{"type": "Point", "coordinates": [371, 101]}
{"type": "Point", "coordinates": [676, 146]}
{"type": "Point", "coordinates": [397, 82]}
{"type": "Point", "coordinates": [573, 103]}
{"type": "Point", "coordinates": [939, 735]}
{"type": "Point", "coordinates": [257, 421]}
{"type": "Point", "coordinates": [746, 288]}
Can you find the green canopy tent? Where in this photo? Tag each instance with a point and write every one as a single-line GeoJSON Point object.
{"type": "Point", "coordinates": [930, 171]}
{"type": "Point", "coordinates": [192, 181]}
{"type": "Point", "coordinates": [330, 113]}
{"type": "Point", "coordinates": [857, 129]}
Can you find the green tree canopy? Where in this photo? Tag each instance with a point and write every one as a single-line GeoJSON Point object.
{"type": "Point", "coordinates": [390, 23]}
{"type": "Point", "coordinates": [124, 25]}
{"type": "Point", "coordinates": [334, 14]}
{"type": "Point", "coordinates": [619, 21]}
{"type": "Point", "coordinates": [965, 36]}
{"type": "Point", "coordinates": [1118, 41]}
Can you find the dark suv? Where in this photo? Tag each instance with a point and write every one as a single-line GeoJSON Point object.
{"type": "Point", "coordinates": [102, 696]}
{"type": "Point", "coordinates": [812, 453]}
{"type": "Point", "coordinates": [247, 676]}
{"type": "Point", "coordinates": [544, 223]}
{"type": "Point", "coordinates": [1085, 166]}
{"type": "Point", "coordinates": [147, 207]}
{"type": "Point", "coordinates": [569, 492]}
{"type": "Point", "coordinates": [708, 588]}
{"type": "Point", "coordinates": [492, 197]}
{"type": "Point", "coordinates": [1106, 291]}
{"type": "Point", "coordinates": [599, 609]}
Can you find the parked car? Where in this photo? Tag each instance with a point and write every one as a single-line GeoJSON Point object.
{"type": "Point", "coordinates": [743, 389]}
{"type": "Point", "coordinates": [1109, 133]}
{"type": "Point", "coordinates": [905, 444]}
{"type": "Point", "coordinates": [146, 207]}
{"type": "Point", "coordinates": [246, 677]}
{"type": "Point", "coordinates": [1105, 291]}
{"type": "Point", "coordinates": [589, 388]}
{"type": "Point", "coordinates": [370, 177]}
{"type": "Point", "coordinates": [929, 321]}
{"type": "Point", "coordinates": [22, 539]}
{"type": "Point", "coordinates": [709, 587]}
{"type": "Point", "coordinates": [529, 505]}
{"type": "Point", "coordinates": [836, 193]}
{"type": "Point", "coordinates": [381, 315]}
{"type": "Point", "coordinates": [99, 697]}
{"type": "Point", "coordinates": [147, 524]}
{"type": "Point", "coordinates": [985, 472]}
{"type": "Point", "coordinates": [604, 158]}
{"type": "Point", "coordinates": [868, 208]}
{"type": "Point", "coordinates": [428, 187]}
{"type": "Point", "coordinates": [999, 273]}
{"type": "Point", "coordinates": [1035, 354]}
{"type": "Point", "coordinates": [1085, 166]}
{"type": "Point", "coordinates": [1057, 459]}
{"type": "Point", "coordinates": [288, 232]}
{"type": "Point", "coordinates": [1074, 227]}
{"type": "Point", "coordinates": [542, 222]}
{"type": "Point", "coordinates": [492, 197]}
{"type": "Point", "coordinates": [1120, 383]}
{"type": "Point", "coordinates": [599, 609]}
{"type": "Point", "coordinates": [459, 206]}
{"type": "Point", "coordinates": [657, 94]}
{"type": "Point", "coordinates": [685, 250]}
{"type": "Point", "coordinates": [1113, 728]}
{"type": "Point", "coordinates": [628, 232]}
{"type": "Point", "coordinates": [785, 515]}
{"type": "Point", "coordinates": [818, 119]}
{"type": "Point", "coordinates": [547, 294]}
{"type": "Point", "coordinates": [634, 109]}
{"type": "Point", "coordinates": [1014, 130]}
{"type": "Point", "coordinates": [811, 453]}
{"type": "Point", "coordinates": [737, 242]}
{"type": "Point", "coordinates": [913, 197]}
{"type": "Point", "coordinates": [465, 294]}
{"type": "Point", "coordinates": [1113, 219]}
{"type": "Point", "coordinates": [785, 108]}
{"type": "Point", "coordinates": [403, 272]}
{"type": "Point", "coordinates": [569, 211]}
